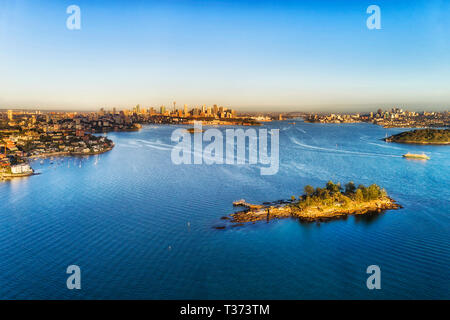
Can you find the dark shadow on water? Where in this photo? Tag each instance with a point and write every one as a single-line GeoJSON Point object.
{"type": "Point", "coordinates": [368, 218]}
{"type": "Point", "coordinates": [365, 219]}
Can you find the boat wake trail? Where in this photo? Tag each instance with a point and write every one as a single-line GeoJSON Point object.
{"type": "Point", "coordinates": [367, 140]}
{"type": "Point", "coordinates": [383, 146]}
{"type": "Point", "coordinates": [155, 145]}
{"type": "Point", "coordinates": [301, 130]}
{"type": "Point", "coordinates": [339, 151]}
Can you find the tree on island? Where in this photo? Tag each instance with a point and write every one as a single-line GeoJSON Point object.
{"type": "Point", "coordinates": [359, 197]}
{"type": "Point", "coordinates": [350, 187]}
{"type": "Point", "coordinates": [333, 188]}
{"type": "Point", "coordinates": [321, 193]}
{"type": "Point", "coordinates": [309, 190]}
{"type": "Point", "coordinates": [331, 195]}
{"type": "Point", "coordinates": [363, 191]}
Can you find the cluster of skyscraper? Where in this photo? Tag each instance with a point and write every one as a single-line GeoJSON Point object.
{"type": "Point", "coordinates": [214, 111]}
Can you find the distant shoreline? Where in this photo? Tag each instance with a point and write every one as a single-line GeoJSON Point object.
{"type": "Point", "coordinates": [422, 137]}
{"type": "Point", "coordinates": [8, 176]}
{"type": "Point", "coordinates": [420, 143]}
{"type": "Point", "coordinates": [68, 153]}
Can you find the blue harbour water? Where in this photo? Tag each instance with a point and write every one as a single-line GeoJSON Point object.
{"type": "Point", "coordinates": [141, 227]}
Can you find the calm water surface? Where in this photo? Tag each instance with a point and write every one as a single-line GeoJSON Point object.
{"type": "Point", "coordinates": [140, 227]}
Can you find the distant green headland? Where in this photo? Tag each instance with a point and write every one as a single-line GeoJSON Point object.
{"type": "Point", "coordinates": [422, 136]}
{"type": "Point", "coordinates": [317, 204]}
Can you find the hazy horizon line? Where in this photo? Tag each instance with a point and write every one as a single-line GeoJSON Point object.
{"type": "Point", "coordinates": [325, 108]}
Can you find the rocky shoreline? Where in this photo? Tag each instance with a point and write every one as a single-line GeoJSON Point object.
{"type": "Point", "coordinates": [8, 176]}
{"type": "Point", "coordinates": [286, 209]}
{"type": "Point", "coordinates": [417, 142]}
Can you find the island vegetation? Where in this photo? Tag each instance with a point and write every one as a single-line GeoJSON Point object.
{"type": "Point", "coordinates": [332, 201]}
{"type": "Point", "coordinates": [422, 136]}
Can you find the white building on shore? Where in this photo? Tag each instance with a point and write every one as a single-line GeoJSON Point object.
{"type": "Point", "coordinates": [23, 168]}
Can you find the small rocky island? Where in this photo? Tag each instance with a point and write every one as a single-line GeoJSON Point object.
{"type": "Point", "coordinates": [319, 204]}
{"type": "Point", "coordinates": [422, 136]}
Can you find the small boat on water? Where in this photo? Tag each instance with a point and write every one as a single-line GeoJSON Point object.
{"type": "Point", "coordinates": [422, 156]}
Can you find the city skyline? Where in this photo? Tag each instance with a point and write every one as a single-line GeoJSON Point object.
{"type": "Point", "coordinates": [280, 57]}
{"type": "Point", "coordinates": [322, 109]}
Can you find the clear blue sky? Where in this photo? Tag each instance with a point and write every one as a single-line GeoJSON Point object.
{"type": "Point", "coordinates": [250, 55]}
